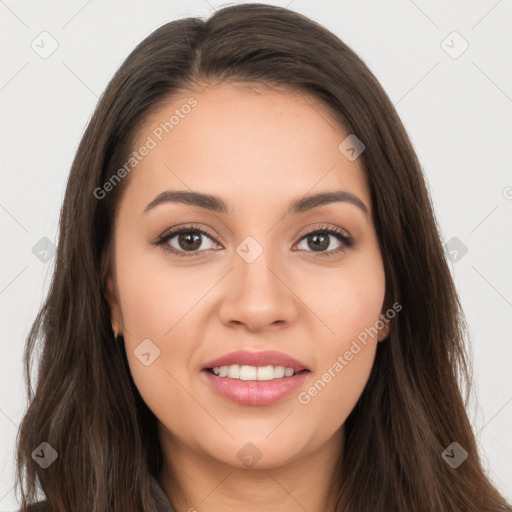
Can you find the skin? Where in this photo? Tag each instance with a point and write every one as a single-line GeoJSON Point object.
{"type": "Point", "coordinates": [257, 150]}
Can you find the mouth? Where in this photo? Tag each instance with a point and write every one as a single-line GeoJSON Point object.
{"type": "Point", "coordinates": [255, 378]}
{"type": "Point", "coordinates": [247, 359]}
{"type": "Point", "coordinates": [254, 373]}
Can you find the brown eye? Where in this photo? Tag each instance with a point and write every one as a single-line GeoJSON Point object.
{"type": "Point", "coordinates": [319, 241]}
{"type": "Point", "coordinates": [188, 239]}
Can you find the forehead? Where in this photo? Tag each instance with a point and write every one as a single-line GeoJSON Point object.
{"type": "Point", "coordinates": [248, 142]}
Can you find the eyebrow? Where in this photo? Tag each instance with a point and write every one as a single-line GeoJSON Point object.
{"type": "Point", "coordinates": [216, 204]}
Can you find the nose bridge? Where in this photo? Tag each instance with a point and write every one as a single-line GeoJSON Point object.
{"type": "Point", "coordinates": [257, 294]}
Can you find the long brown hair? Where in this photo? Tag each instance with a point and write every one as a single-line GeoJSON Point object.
{"type": "Point", "coordinates": [86, 405]}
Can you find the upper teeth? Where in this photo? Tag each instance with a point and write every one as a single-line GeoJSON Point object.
{"type": "Point", "coordinates": [236, 371]}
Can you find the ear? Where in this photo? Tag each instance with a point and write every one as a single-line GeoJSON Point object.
{"type": "Point", "coordinates": [115, 309]}
{"type": "Point", "coordinates": [384, 332]}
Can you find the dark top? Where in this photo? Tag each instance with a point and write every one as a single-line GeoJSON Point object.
{"type": "Point", "coordinates": [161, 500]}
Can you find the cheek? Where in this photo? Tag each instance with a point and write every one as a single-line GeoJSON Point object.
{"type": "Point", "coordinates": [349, 306]}
{"type": "Point", "coordinates": [331, 396]}
{"type": "Point", "coordinates": [344, 361]}
{"type": "Point", "coordinates": [157, 303]}
{"type": "Point", "coordinates": [348, 300]}
{"type": "Point", "coordinates": [155, 294]}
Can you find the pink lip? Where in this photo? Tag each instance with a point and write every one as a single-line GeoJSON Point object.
{"type": "Point", "coordinates": [266, 358]}
{"type": "Point", "coordinates": [253, 392]}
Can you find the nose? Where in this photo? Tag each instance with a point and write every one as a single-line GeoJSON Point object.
{"type": "Point", "coordinates": [258, 296]}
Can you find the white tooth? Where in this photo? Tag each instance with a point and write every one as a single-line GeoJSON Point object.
{"type": "Point", "coordinates": [278, 372]}
{"type": "Point", "coordinates": [288, 372]}
{"type": "Point", "coordinates": [245, 372]}
{"type": "Point", "coordinates": [248, 372]}
{"type": "Point", "coordinates": [234, 371]}
{"type": "Point", "coordinates": [265, 372]}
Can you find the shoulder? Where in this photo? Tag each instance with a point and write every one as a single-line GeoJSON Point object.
{"type": "Point", "coordinates": [161, 499]}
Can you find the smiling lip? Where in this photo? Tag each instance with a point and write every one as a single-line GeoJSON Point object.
{"type": "Point", "coordinates": [266, 358]}
{"type": "Point", "coordinates": [254, 392]}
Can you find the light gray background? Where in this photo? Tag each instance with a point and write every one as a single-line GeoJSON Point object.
{"type": "Point", "coordinates": [457, 111]}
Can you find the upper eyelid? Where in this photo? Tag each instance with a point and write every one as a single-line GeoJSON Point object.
{"type": "Point", "coordinates": [171, 232]}
{"type": "Point", "coordinates": [324, 227]}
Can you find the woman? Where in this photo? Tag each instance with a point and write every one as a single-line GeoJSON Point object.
{"type": "Point", "coordinates": [251, 308]}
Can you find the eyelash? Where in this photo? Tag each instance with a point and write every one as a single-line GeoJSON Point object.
{"type": "Point", "coordinates": [161, 241]}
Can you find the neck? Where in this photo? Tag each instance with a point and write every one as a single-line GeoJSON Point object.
{"type": "Point", "coordinates": [196, 482]}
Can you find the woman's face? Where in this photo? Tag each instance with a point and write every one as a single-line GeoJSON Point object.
{"type": "Point", "coordinates": [261, 275]}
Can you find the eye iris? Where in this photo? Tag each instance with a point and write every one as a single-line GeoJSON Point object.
{"type": "Point", "coordinates": [320, 241]}
{"type": "Point", "coordinates": [185, 238]}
